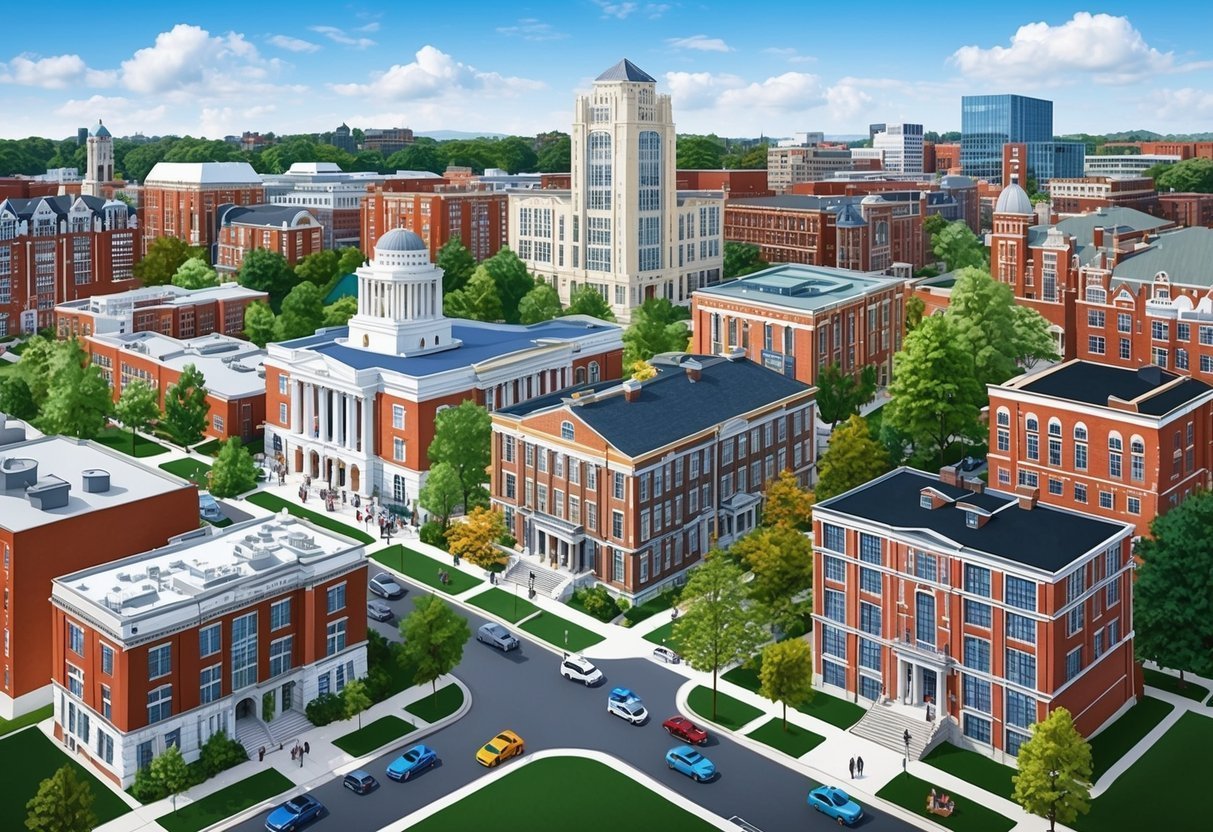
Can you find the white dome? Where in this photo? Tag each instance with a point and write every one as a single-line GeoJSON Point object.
{"type": "Point", "coordinates": [1013, 200]}
{"type": "Point", "coordinates": [872, 199]}
{"type": "Point", "coordinates": [400, 239]}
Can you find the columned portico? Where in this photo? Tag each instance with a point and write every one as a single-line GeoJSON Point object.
{"type": "Point", "coordinates": [560, 544]}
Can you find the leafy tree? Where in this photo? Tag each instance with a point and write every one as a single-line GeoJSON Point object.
{"type": "Point", "coordinates": [169, 773]}
{"type": "Point", "coordinates": [356, 699]}
{"type": "Point", "coordinates": [555, 155]}
{"type": "Point", "coordinates": [475, 539]}
{"type": "Point", "coordinates": [840, 394]}
{"type": "Point", "coordinates": [657, 326]}
{"type": "Point", "coordinates": [586, 300]}
{"type": "Point", "coordinates": [781, 560]}
{"type": "Point", "coordinates": [1054, 771]}
{"type": "Point", "coordinates": [164, 257]}
{"type": "Point", "coordinates": [787, 504]}
{"type": "Point", "coordinates": [442, 493]}
{"type": "Point", "coordinates": [302, 313]}
{"type": "Point", "coordinates": [462, 439]}
{"type": "Point", "coordinates": [915, 308]}
{"type": "Point", "coordinates": [234, 471]}
{"type": "Point", "coordinates": [540, 304]}
{"type": "Point", "coordinates": [932, 225]}
{"type": "Point", "coordinates": [457, 265]}
{"type": "Point", "coordinates": [63, 803]}
{"type": "Point", "coordinates": [742, 259]}
{"type": "Point", "coordinates": [1174, 586]}
{"type": "Point", "coordinates": [699, 153]}
{"type": "Point", "coordinates": [982, 320]}
{"type": "Point", "coordinates": [35, 366]}
{"type": "Point", "coordinates": [1188, 176]}
{"type": "Point", "coordinates": [853, 458]}
{"type": "Point", "coordinates": [319, 267]}
{"type": "Point", "coordinates": [434, 636]}
{"type": "Point", "coordinates": [259, 323]}
{"type": "Point", "coordinates": [267, 271]}
{"type": "Point", "coordinates": [419, 156]}
{"type": "Point", "coordinates": [512, 279]}
{"type": "Point", "coordinates": [79, 401]}
{"type": "Point", "coordinates": [716, 630]}
{"type": "Point", "coordinates": [478, 301]}
{"type": "Point", "coordinates": [959, 247]}
{"type": "Point", "coordinates": [339, 312]}
{"type": "Point", "coordinates": [185, 406]}
{"type": "Point", "coordinates": [351, 257]}
{"type": "Point", "coordinates": [219, 753]}
{"type": "Point", "coordinates": [137, 407]}
{"type": "Point", "coordinates": [16, 399]}
{"type": "Point", "coordinates": [195, 273]}
{"type": "Point", "coordinates": [1033, 341]}
{"type": "Point", "coordinates": [515, 155]}
{"type": "Point", "coordinates": [786, 675]}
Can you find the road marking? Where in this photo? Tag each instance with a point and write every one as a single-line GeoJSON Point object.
{"type": "Point", "coordinates": [746, 825]}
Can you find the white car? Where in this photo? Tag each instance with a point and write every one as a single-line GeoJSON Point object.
{"type": "Point", "coordinates": [578, 669]}
{"type": "Point", "coordinates": [626, 705]}
{"type": "Point", "coordinates": [665, 654]}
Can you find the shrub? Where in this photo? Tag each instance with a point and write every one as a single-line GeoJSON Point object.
{"type": "Point", "coordinates": [596, 601]}
{"type": "Point", "coordinates": [508, 540]}
{"type": "Point", "coordinates": [326, 708]}
{"type": "Point", "coordinates": [220, 753]}
{"type": "Point", "coordinates": [433, 534]}
{"type": "Point", "coordinates": [144, 789]}
{"type": "Point", "coordinates": [623, 603]}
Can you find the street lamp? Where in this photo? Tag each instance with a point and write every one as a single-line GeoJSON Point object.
{"type": "Point", "coordinates": [906, 760]}
{"type": "Point", "coordinates": [530, 585]}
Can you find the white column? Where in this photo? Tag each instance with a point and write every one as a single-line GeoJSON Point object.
{"type": "Point", "coordinates": [323, 407]}
{"type": "Point", "coordinates": [368, 431]}
{"type": "Point", "coordinates": [334, 417]}
{"type": "Point", "coordinates": [309, 412]}
{"type": "Point", "coordinates": [296, 406]}
{"type": "Point", "coordinates": [351, 431]}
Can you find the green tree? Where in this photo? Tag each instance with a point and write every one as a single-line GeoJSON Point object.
{"type": "Point", "coordinates": [699, 153]}
{"type": "Point", "coordinates": [185, 406]}
{"type": "Point", "coordinates": [717, 629]}
{"type": "Point", "coordinates": [1033, 341]}
{"type": "Point", "coordinates": [319, 267]}
{"type": "Point", "coordinates": [169, 773]}
{"type": "Point", "coordinates": [420, 156]}
{"type": "Point", "coordinates": [540, 304]}
{"type": "Point", "coordinates": [267, 271]}
{"type": "Point", "coordinates": [512, 279]}
{"type": "Point", "coordinates": [657, 326]}
{"type": "Point", "coordinates": [234, 471]}
{"type": "Point", "coordinates": [351, 257]}
{"type": "Point", "coordinates": [442, 493]}
{"type": "Point", "coordinates": [931, 226]}
{"type": "Point", "coordinates": [434, 636]}
{"type": "Point", "coordinates": [787, 504]}
{"type": "Point", "coordinates": [1174, 588]}
{"type": "Point", "coordinates": [742, 259]}
{"type": "Point", "coordinates": [781, 561]}
{"type": "Point", "coordinates": [35, 366]}
{"type": "Point", "coordinates": [462, 439]}
{"type": "Point", "coordinates": [586, 300]}
{"type": "Point", "coordinates": [555, 154]}
{"type": "Point", "coordinates": [79, 400]}
{"type": "Point", "coordinates": [1188, 176]}
{"type": "Point", "coordinates": [1054, 771]}
{"type": "Point", "coordinates": [259, 323]}
{"type": "Point", "coordinates": [480, 300]}
{"type": "Point", "coordinates": [786, 675]}
{"type": "Point", "coordinates": [840, 395]}
{"type": "Point", "coordinates": [515, 154]}
{"type": "Point", "coordinates": [982, 321]}
{"type": "Point", "coordinates": [195, 273]}
{"type": "Point", "coordinates": [959, 247]}
{"type": "Point", "coordinates": [63, 803]}
{"type": "Point", "coordinates": [915, 308]}
{"type": "Point", "coordinates": [302, 313]}
{"type": "Point", "coordinates": [16, 399]}
{"type": "Point", "coordinates": [339, 312]}
{"type": "Point", "coordinates": [356, 699]}
{"type": "Point", "coordinates": [137, 407]}
{"type": "Point", "coordinates": [164, 257]}
{"type": "Point", "coordinates": [457, 265]}
{"type": "Point", "coordinates": [853, 457]}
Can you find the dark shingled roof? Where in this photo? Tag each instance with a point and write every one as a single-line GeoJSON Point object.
{"type": "Point", "coordinates": [1043, 538]}
{"type": "Point", "coordinates": [1091, 383]}
{"type": "Point", "coordinates": [270, 216]}
{"type": "Point", "coordinates": [61, 204]}
{"type": "Point", "coordinates": [625, 70]}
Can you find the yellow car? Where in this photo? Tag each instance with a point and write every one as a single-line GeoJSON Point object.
{"type": "Point", "coordinates": [500, 748]}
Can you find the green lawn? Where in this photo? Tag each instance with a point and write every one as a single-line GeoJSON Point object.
{"type": "Point", "coordinates": [746, 675]}
{"type": "Point", "coordinates": [212, 448]}
{"type": "Point", "coordinates": [1171, 684]}
{"type": "Point", "coordinates": [432, 708]}
{"type": "Point", "coordinates": [1115, 741]}
{"type": "Point", "coordinates": [910, 793]}
{"type": "Point", "coordinates": [546, 793]}
{"type": "Point", "coordinates": [7, 726]}
{"type": "Point", "coordinates": [275, 503]}
{"type": "Point", "coordinates": [226, 802]}
{"type": "Point", "coordinates": [795, 741]}
{"type": "Point", "coordinates": [120, 440]}
{"type": "Point", "coordinates": [26, 759]}
{"type": "Point", "coordinates": [560, 632]}
{"type": "Point", "coordinates": [838, 712]}
{"type": "Point", "coordinates": [730, 712]}
{"type": "Point", "coordinates": [665, 635]}
{"type": "Point", "coordinates": [973, 768]}
{"type": "Point", "coordinates": [189, 469]}
{"type": "Point", "coordinates": [373, 735]}
{"type": "Point", "coordinates": [512, 606]}
{"type": "Point", "coordinates": [424, 569]}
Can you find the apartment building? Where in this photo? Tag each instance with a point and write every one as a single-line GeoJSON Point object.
{"type": "Point", "coordinates": [185, 199]}
{"type": "Point", "coordinates": [331, 195]}
{"type": "Point", "coordinates": [169, 310]}
{"type": "Point", "coordinates": [292, 232]}
{"type": "Point", "coordinates": [1091, 193]}
{"type": "Point", "coordinates": [438, 214]}
{"type": "Point", "coordinates": [788, 166]}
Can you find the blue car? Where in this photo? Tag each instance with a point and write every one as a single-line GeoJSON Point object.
{"type": "Point", "coordinates": [293, 814]}
{"type": "Point", "coordinates": [691, 763]}
{"type": "Point", "coordinates": [415, 760]}
{"type": "Point", "coordinates": [834, 803]}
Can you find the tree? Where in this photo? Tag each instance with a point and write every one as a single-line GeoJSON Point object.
{"type": "Point", "coordinates": [169, 773]}
{"type": "Point", "coordinates": [137, 407]}
{"type": "Point", "coordinates": [339, 312]}
{"type": "Point", "coordinates": [515, 155]}
{"type": "Point", "coordinates": [540, 304]}
{"type": "Point", "coordinates": [840, 395]}
{"type": "Point", "coordinates": [742, 259]}
{"type": "Point", "coordinates": [786, 675]}
{"type": "Point", "coordinates": [16, 399]}
{"type": "Point", "coordinates": [787, 504]}
{"type": "Point", "coordinates": [555, 154]}
{"type": "Point", "coordinates": [480, 300]}
{"type": "Point", "coordinates": [915, 308]}
{"type": "Point", "coordinates": [434, 636]}
{"type": "Point", "coordinates": [195, 273]}
{"type": "Point", "coordinates": [319, 267]}
{"type": "Point", "coordinates": [475, 539]}
{"type": "Point", "coordinates": [79, 400]}
{"type": "Point", "coordinates": [234, 471]}
{"type": "Point", "coordinates": [267, 271]}
{"type": "Point", "coordinates": [586, 300]}
{"type": "Point", "coordinates": [1173, 588]}
{"type": "Point", "coordinates": [457, 265]}
{"type": "Point", "coordinates": [657, 326]}
{"type": "Point", "coordinates": [781, 560]}
{"type": "Point", "coordinates": [512, 279]}
{"type": "Point", "coordinates": [982, 318]}
{"type": "Point", "coordinates": [716, 630]}
{"type": "Point", "coordinates": [442, 492]}
{"type": "Point", "coordinates": [853, 457]}
{"type": "Point", "coordinates": [164, 257]}
{"type": "Point", "coordinates": [699, 153]}
{"type": "Point", "coordinates": [1188, 176]}
{"type": "Point", "coordinates": [185, 406]}
{"type": "Point", "coordinates": [356, 699]}
{"type": "Point", "coordinates": [462, 439]}
{"type": "Point", "coordinates": [959, 247]}
{"type": "Point", "coordinates": [1054, 771]}
{"type": "Point", "coordinates": [419, 156]}
{"type": "Point", "coordinates": [302, 313]}
{"type": "Point", "coordinates": [64, 803]}
{"type": "Point", "coordinates": [35, 366]}
{"type": "Point", "coordinates": [1033, 341]}
{"type": "Point", "coordinates": [351, 257]}
{"type": "Point", "coordinates": [259, 323]}
{"type": "Point", "coordinates": [935, 397]}
{"type": "Point", "coordinates": [931, 226]}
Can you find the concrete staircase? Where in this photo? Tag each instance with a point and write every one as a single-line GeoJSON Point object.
{"type": "Point", "coordinates": [253, 735]}
{"type": "Point", "coordinates": [885, 724]}
{"type": "Point", "coordinates": [548, 582]}
{"type": "Point", "coordinates": [289, 726]}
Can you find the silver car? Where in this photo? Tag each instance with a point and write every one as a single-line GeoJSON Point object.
{"type": "Point", "coordinates": [385, 585]}
{"type": "Point", "coordinates": [378, 611]}
{"type": "Point", "coordinates": [497, 636]}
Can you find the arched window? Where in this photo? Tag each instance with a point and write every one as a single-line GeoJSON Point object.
{"type": "Point", "coordinates": [1116, 448]}
{"type": "Point", "coordinates": [566, 431]}
{"type": "Point", "coordinates": [579, 375]}
{"type": "Point", "coordinates": [1054, 427]}
{"type": "Point", "coordinates": [1032, 425]}
{"type": "Point", "coordinates": [1080, 447]}
{"type": "Point", "coordinates": [1031, 422]}
{"type": "Point", "coordinates": [594, 372]}
{"type": "Point", "coordinates": [1137, 459]}
{"type": "Point", "coordinates": [1004, 417]}
{"type": "Point", "coordinates": [1080, 432]}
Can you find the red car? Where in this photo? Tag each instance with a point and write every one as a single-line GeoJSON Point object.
{"type": "Point", "coordinates": [684, 729]}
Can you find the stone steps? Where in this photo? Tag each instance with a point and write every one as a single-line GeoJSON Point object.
{"type": "Point", "coordinates": [885, 726]}
{"type": "Point", "coordinates": [547, 581]}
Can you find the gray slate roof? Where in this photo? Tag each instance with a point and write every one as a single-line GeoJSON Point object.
{"type": "Point", "coordinates": [1092, 383]}
{"type": "Point", "coordinates": [1083, 226]}
{"type": "Point", "coordinates": [61, 205]}
{"type": "Point", "coordinates": [625, 70]}
{"type": "Point", "coordinates": [270, 216]}
{"type": "Point", "coordinates": [1186, 255]}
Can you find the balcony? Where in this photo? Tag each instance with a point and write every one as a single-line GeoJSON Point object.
{"type": "Point", "coordinates": [921, 649]}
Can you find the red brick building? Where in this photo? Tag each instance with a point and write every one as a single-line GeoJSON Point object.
{"type": "Point", "coordinates": [478, 218]}
{"type": "Point", "coordinates": [1184, 150]}
{"type": "Point", "coordinates": [231, 630]}
{"type": "Point", "coordinates": [13, 187]}
{"type": "Point", "coordinates": [1091, 193]}
{"type": "Point", "coordinates": [630, 483]}
{"type": "Point", "coordinates": [980, 610]}
{"type": "Point", "coordinates": [168, 310]}
{"type": "Point", "coordinates": [947, 158]}
{"type": "Point", "coordinates": [734, 183]}
{"type": "Point", "coordinates": [184, 199]}
{"type": "Point", "coordinates": [292, 232]}
{"type": "Point", "coordinates": [1187, 209]}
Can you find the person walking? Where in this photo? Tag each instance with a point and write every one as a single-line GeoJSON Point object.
{"type": "Point", "coordinates": [851, 766]}
{"type": "Point", "coordinates": [859, 765]}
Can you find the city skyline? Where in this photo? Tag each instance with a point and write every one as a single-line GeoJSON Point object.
{"type": "Point", "coordinates": [227, 69]}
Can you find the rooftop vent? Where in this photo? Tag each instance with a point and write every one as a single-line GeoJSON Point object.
{"type": "Point", "coordinates": [17, 473]}
{"type": "Point", "coordinates": [48, 493]}
{"type": "Point", "coordinates": [96, 481]}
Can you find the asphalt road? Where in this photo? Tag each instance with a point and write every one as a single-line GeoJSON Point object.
{"type": "Point", "coordinates": [523, 691]}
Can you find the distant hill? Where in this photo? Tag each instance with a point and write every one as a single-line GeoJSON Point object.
{"type": "Point", "coordinates": [447, 135]}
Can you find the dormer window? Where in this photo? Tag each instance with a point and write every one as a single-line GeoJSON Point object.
{"type": "Point", "coordinates": [972, 520]}
{"type": "Point", "coordinates": [925, 501]}
{"type": "Point", "coordinates": [566, 431]}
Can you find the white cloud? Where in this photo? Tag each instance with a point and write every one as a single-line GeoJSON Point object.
{"type": "Point", "coordinates": [789, 54]}
{"type": "Point", "coordinates": [189, 58]}
{"type": "Point", "coordinates": [1181, 104]}
{"type": "Point", "coordinates": [226, 121]}
{"type": "Point", "coordinates": [54, 72]}
{"type": "Point", "coordinates": [701, 43]}
{"type": "Point", "coordinates": [373, 26]}
{"type": "Point", "coordinates": [116, 109]}
{"type": "Point", "coordinates": [435, 74]}
{"type": "Point", "coordinates": [291, 44]}
{"type": "Point", "coordinates": [528, 28]}
{"type": "Point", "coordinates": [846, 101]}
{"type": "Point", "coordinates": [655, 10]}
{"type": "Point", "coordinates": [699, 90]}
{"type": "Point", "coordinates": [618, 10]}
{"type": "Point", "coordinates": [337, 35]}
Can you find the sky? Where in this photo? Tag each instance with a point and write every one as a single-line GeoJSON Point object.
{"type": "Point", "coordinates": [736, 69]}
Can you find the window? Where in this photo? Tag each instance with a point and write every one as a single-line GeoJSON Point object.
{"type": "Point", "coordinates": [836, 606]}
{"type": "Point", "coordinates": [1080, 493]}
{"type": "Point", "coordinates": [335, 638]}
{"type": "Point", "coordinates": [107, 660]}
{"type": "Point", "coordinates": [869, 654]}
{"type": "Point", "coordinates": [977, 580]}
{"type": "Point", "coordinates": [835, 570]}
{"type": "Point", "coordinates": [1021, 628]}
{"type": "Point", "coordinates": [869, 548]}
{"type": "Point", "coordinates": [1126, 349]}
{"type": "Point", "coordinates": [107, 702]}
{"type": "Point", "coordinates": [834, 674]}
{"type": "Point", "coordinates": [1020, 709]}
{"type": "Point", "coordinates": [397, 449]}
{"type": "Point", "coordinates": [833, 537]}
{"type": "Point", "coordinates": [159, 661]}
{"type": "Point", "coordinates": [210, 685]}
{"type": "Point", "coordinates": [209, 640]}
{"type": "Point", "coordinates": [869, 618]}
{"type": "Point", "coordinates": [617, 567]}
{"type": "Point", "coordinates": [1097, 645]}
{"type": "Point", "coordinates": [925, 567]}
{"type": "Point", "coordinates": [977, 613]}
{"type": "Point", "coordinates": [1158, 330]}
{"type": "Point", "coordinates": [924, 619]}
{"type": "Point", "coordinates": [283, 414]}
{"type": "Point", "coordinates": [280, 614]}
{"type": "Point", "coordinates": [1074, 620]}
{"type": "Point", "coordinates": [75, 638]}
{"type": "Point", "coordinates": [1095, 317]}
{"type": "Point", "coordinates": [566, 430]}
{"type": "Point", "coordinates": [976, 693]}
{"type": "Point", "coordinates": [336, 598]}
{"type": "Point", "coordinates": [976, 728]}
{"type": "Point", "coordinates": [1106, 500]}
{"type": "Point", "coordinates": [75, 680]}
{"type": "Point", "coordinates": [398, 417]}
{"type": "Point", "coordinates": [618, 486]}
{"type": "Point", "coordinates": [1056, 487]}
{"type": "Point", "coordinates": [869, 580]}
{"type": "Point", "coordinates": [1073, 663]}
{"type": "Point", "coordinates": [617, 524]}
{"type": "Point", "coordinates": [105, 747]}
{"type": "Point", "coordinates": [160, 704]}
{"type": "Point", "coordinates": [1096, 345]}
{"type": "Point", "coordinates": [977, 654]}
{"type": "Point", "coordinates": [244, 651]}
{"type": "Point", "coordinates": [280, 655]}
{"type": "Point", "coordinates": [1021, 668]}
{"type": "Point", "coordinates": [1020, 593]}
{"type": "Point", "coordinates": [833, 642]}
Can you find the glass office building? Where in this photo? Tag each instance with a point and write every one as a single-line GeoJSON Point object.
{"type": "Point", "coordinates": [987, 122]}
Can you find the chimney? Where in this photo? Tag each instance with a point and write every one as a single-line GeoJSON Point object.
{"type": "Point", "coordinates": [1027, 496]}
{"type": "Point", "coordinates": [631, 390]}
{"type": "Point", "coordinates": [974, 484]}
{"type": "Point", "coordinates": [693, 368]}
{"type": "Point", "coordinates": [949, 475]}
{"type": "Point", "coordinates": [1098, 236]}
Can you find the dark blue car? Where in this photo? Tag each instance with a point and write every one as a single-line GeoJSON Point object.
{"type": "Point", "coordinates": [415, 760]}
{"type": "Point", "coordinates": [293, 814]}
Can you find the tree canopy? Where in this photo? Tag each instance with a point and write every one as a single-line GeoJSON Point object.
{"type": "Point", "coordinates": [787, 504]}
{"type": "Point", "coordinates": [165, 255]}
{"type": "Point", "coordinates": [267, 271]}
{"type": "Point", "coordinates": [319, 267]}
{"type": "Point", "coordinates": [958, 246]}
{"type": "Point", "coordinates": [302, 312]}
{"type": "Point", "coordinates": [339, 312]}
{"type": "Point", "coordinates": [441, 493]}
{"type": "Point", "coordinates": [786, 675]}
{"type": "Point", "coordinates": [259, 323]}
{"type": "Point", "coordinates": [586, 300]}
{"type": "Point", "coordinates": [853, 457]}
{"type": "Point", "coordinates": [781, 561]}
{"type": "Point", "coordinates": [742, 258]}
{"type": "Point", "coordinates": [475, 539]}
{"type": "Point", "coordinates": [542, 303]}
{"type": "Point", "coordinates": [1054, 771]}
{"type": "Point", "coordinates": [234, 471]}
{"type": "Point", "coordinates": [434, 636]}
{"type": "Point", "coordinates": [462, 439]}
{"type": "Point", "coordinates": [457, 265]}
{"type": "Point", "coordinates": [137, 407]}
{"type": "Point", "coordinates": [840, 395]}
{"type": "Point", "coordinates": [63, 803]}
{"type": "Point", "coordinates": [479, 300]}
{"type": "Point", "coordinates": [185, 406]}
{"type": "Point", "coordinates": [512, 279]}
{"type": "Point", "coordinates": [657, 326]}
{"type": "Point", "coordinates": [195, 273]}
{"type": "Point", "coordinates": [699, 152]}
{"type": "Point", "coordinates": [78, 400]}
{"type": "Point", "coordinates": [1188, 176]}
{"type": "Point", "coordinates": [986, 325]}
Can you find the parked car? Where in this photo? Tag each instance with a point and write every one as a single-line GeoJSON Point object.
{"type": "Point", "coordinates": [578, 669]}
{"type": "Point", "coordinates": [415, 760]}
{"type": "Point", "coordinates": [360, 782]}
{"type": "Point", "coordinates": [500, 748]}
{"type": "Point", "coordinates": [293, 814]}
{"type": "Point", "coordinates": [665, 654]}
{"type": "Point", "coordinates": [834, 803]}
{"type": "Point", "coordinates": [208, 508]}
{"type": "Point", "coordinates": [625, 704]}
{"type": "Point", "coordinates": [971, 463]}
{"type": "Point", "coordinates": [684, 729]}
{"type": "Point", "coordinates": [497, 636]}
{"type": "Point", "coordinates": [378, 611]}
{"type": "Point", "coordinates": [385, 585]}
{"type": "Point", "coordinates": [691, 763]}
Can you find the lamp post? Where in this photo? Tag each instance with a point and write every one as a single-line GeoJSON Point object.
{"type": "Point", "coordinates": [515, 601]}
{"type": "Point", "coordinates": [530, 585]}
{"type": "Point", "coordinates": [905, 762]}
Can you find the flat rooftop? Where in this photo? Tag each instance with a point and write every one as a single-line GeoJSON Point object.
{"type": "Point", "coordinates": [149, 297]}
{"type": "Point", "coordinates": [1153, 390]}
{"type": "Point", "coordinates": [802, 287]}
{"type": "Point", "coordinates": [233, 368]}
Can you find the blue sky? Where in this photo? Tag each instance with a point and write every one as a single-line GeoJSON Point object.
{"type": "Point", "coordinates": [739, 68]}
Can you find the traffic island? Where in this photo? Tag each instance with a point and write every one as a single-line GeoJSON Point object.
{"type": "Point", "coordinates": [560, 632]}
{"type": "Point", "coordinates": [913, 794]}
{"type": "Point", "coordinates": [425, 570]}
{"type": "Point", "coordinates": [730, 713]}
{"type": "Point", "coordinates": [226, 802]}
{"type": "Point", "coordinates": [794, 741]}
